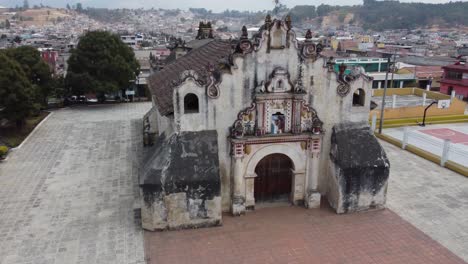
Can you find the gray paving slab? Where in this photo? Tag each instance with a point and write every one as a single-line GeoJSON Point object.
{"type": "Point", "coordinates": [430, 197]}
{"type": "Point", "coordinates": [69, 194]}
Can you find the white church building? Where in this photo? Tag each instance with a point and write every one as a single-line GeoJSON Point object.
{"type": "Point", "coordinates": [258, 120]}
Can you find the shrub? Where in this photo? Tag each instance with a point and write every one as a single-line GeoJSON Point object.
{"type": "Point", "coordinates": [3, 150]}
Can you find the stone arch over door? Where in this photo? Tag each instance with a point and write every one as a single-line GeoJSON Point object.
{"type": "Point", "coordinates": [298, 157]}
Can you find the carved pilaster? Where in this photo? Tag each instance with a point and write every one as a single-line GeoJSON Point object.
{"type": "Point", "coordinates": [238, 192]}
{"type": "Point", "coordinates": [296, 117]}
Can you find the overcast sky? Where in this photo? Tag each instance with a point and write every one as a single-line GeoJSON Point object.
{"type": "Point", "coordinates": [215, 5]}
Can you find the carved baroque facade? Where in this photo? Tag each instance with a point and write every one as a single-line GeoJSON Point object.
{"type": "Point", "coordinates": [271, 95]}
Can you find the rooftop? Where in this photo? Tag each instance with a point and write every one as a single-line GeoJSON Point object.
{"type": "Point", "coordinates": [462, 67]}
{"type": "Point", "coordinates": [162, 83]}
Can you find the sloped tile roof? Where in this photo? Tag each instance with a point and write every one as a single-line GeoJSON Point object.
{"type": "Point", "coordinates": [162, 83]}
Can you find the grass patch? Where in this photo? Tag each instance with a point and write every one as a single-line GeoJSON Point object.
{"type": "Point", "coordinates": [12, 136]}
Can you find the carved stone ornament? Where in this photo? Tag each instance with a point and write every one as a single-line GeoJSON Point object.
{"type": "Point", "coordinates": [279, 82]}
{"type": "Point", "coordinates": [299, 88]}
{"type": "Point", "coordinates": [309, 49]}
{"type": "Point", "coordinates": [344, 80]}
{"type": "Point", "coordinates": [343, 89]}
{"type": "Point", "coordinates": [245, 45]}
{"type": "Point", "coordinates": [212, 90]}
{"type": "Point", "coordinates": [245, 123]}
{"type": "Point", "coordinates": [189, 74]}
{"type": "Point", "coordinates": [214, 79]}
{"type": "Point", "coordinates": [310, 122]}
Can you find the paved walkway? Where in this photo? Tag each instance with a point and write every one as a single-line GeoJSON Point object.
{"type": "Point", "coordinates": [297, 235]}
{"type": "Point", "coordinates": [432, 198]}
{"type": "Point", "coordinates": [68, 194]}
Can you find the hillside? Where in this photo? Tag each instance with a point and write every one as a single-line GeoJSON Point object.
{"type": "Point", "coordinates": [38, 17]}
{"type": "Point", "coordinates": [383, 15]}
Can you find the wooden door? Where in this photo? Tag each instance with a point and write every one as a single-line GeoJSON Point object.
{"type": "Point", "coordinates": [274, 178]}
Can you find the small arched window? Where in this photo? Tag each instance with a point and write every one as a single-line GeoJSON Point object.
{"type": "Point", "coordinates": [359, 98]}
{"type": "Point", "coordinates": [191, 104]}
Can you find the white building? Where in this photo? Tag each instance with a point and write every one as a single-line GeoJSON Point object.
{"type": "Point", "coordinates": [268, 120]}
{"type": "Point", "coordinates": [133, 41]}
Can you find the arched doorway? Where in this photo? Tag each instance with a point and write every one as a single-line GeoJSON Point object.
{"type": "Point", "coordinates": [274, 178]}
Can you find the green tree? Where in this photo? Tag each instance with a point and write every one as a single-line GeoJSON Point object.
{"type": "Point", "coordinates": [68, 6]}
{"type": "Point", "coordinates": [7, 24]}
{"type": "Point", "coordinates": [15, 91]}
{"type": "Point", "coordinates": [342, 17]}
{"type": "Point", "coordinates": [79, 7]}
{"type": "Point", "coordinates": [35, 69]}
{"type": "Point", "coordinates": [101, 64]}
{"type": "Point", "coordinates": [301, 12]}
{"type": "Point", "coordinates": [323, 10]}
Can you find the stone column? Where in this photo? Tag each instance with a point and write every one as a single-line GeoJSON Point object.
{"type": "Point", "coordinates": [249, 190]}
{"type": "Point", "coordinates": [313, 166]}
{"type": "Point", "coordinates": [238, 195]}
{"type": "Point", "coordinates": [298, 187]}
{"type": "Point", "coordinates": [260, 119]}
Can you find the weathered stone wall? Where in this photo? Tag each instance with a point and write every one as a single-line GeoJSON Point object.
{"type": "Point", "coordinates": [180, 182]}
{"type": "Point", "coordinates": [177, 211]}
{"type": "Point", "coordinates": [359, 170]}
{"type": "Point", "coordinates": [238, 88]}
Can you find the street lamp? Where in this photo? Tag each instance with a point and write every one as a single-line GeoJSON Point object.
{"type": "Point", "coordinates": [383, 98]}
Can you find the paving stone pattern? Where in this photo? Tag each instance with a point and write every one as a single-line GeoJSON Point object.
{"type": "Point", "coordinates": [68, 194]}
{"type": "Point", "coordinates": [432, 198]}
{"type": "Point", "coordinates": [297, 235]}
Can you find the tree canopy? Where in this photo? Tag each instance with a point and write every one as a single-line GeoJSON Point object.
{"type": "Point", "coordinates": [301, 12]}
{"type": "Point", "coordinates": [15, 90]}
{"type": "Point", "coordinates": [35, 69]}
{"type": "Point", "coordinates": [380, 15]}
{"type": "Point", "coordinates": [101, 64]}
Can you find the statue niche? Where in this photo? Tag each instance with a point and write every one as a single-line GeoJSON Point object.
{"type": "Point", "coordinates": [278, 35]}
{"type": "Point", "coordinates": [279, 82]}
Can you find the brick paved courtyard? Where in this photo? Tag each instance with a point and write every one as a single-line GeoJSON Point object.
{"type": "Point", "coordinates": [68, 194]}
{"type": "Point", "coordinates": [296, 235]}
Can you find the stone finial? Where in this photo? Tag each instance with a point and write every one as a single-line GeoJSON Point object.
{"type": "Point", "coordinates": [244, 32]}
{"type": "Point", "coordinates": [205, 30]}
{"type": "Point", "coordinates": [268, 20]}
{"type": "Point", "coordinates": [342, 68]}
{"type": "Point", "coordinates": [288, 21]}
{"type": "Point", "coordinates": [308, 35]}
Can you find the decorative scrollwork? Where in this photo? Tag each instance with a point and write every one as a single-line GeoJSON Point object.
{"type": "Point", "coordinates": [245, 123]}
{"type": "Point", "coordinates": [299, 88]}
{"type": "Point", "coordinates": [309, 49]}
{"type": "Point", "coordinates": [214, 79]}
{"type": "Point", "coordinates": [189, 74]}
{"type": "Point", "coordinates": [244, 46]}
{"type": "Point", "coordinates": [310, 121]}
{"type": "Point", "coordinates": [343, 89]}
{"type": "Point", "coordinates": [345, 80]}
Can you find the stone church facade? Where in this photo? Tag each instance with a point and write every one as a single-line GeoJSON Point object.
{"type": "Point", "coordinates": [258, 120]}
